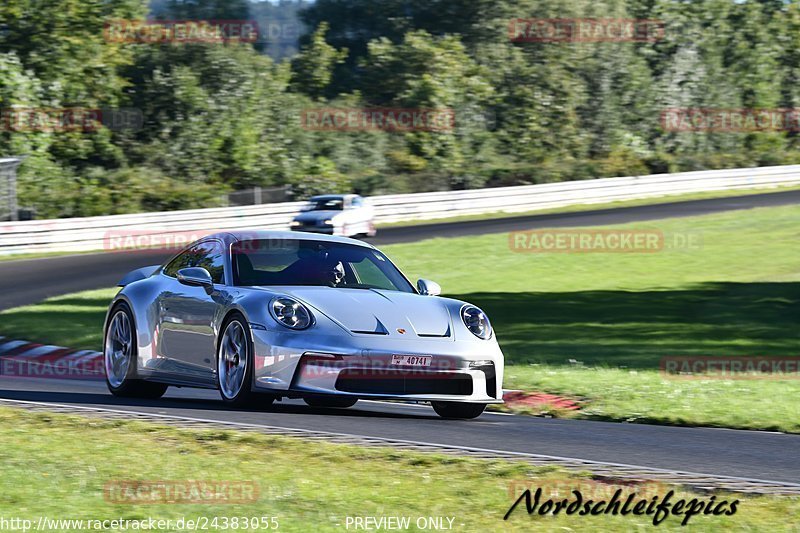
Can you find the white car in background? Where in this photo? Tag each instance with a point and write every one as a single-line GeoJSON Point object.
{"type": "Point", "coordinates": [345, 215]}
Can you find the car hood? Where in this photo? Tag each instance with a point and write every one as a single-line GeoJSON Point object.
{"type": "Point", "coordinates": [373, 311]}
{"type": "Point", "coordinates": [314, 216]}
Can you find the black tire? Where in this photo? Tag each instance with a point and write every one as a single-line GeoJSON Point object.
{"type": "Point", "coordinates": [458, 409]}
{"type": "Point", "coordinates": [245, 397]}
{"type": "Point", "coordinates": [340, 402]}
{"type": "Point", "coordinates": [131, 386]}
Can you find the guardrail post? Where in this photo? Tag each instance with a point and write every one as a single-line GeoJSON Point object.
{"type": "Point", "coordinates": [8, 173]}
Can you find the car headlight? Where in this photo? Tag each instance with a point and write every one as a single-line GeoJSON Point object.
{"type": "Point", "coordinates": [290, 313]}
{"type": "Point", "coordinates": [295, 223]}
{"type": "Point", "coordinates": [476, 321]}
{"type": "Point", "coordinates": [328, 222]}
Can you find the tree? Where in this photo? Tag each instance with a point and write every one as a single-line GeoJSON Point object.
{"type": "Point", "coordinates": [312, 68]}
{"type": "Point", "coordinates": [428, 73]}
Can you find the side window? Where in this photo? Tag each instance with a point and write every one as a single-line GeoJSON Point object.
{"type": "Point", "coordinates": [358, 201]}
{"type": "Point", "coordinates": [207, 255]}
{"type": "Point", "coordinates": [212, 259]}
{"type": "Point", "coordinates": [182, 261]}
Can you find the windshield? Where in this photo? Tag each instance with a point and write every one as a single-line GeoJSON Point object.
{"type": "Point", "coordinates": [325, 204]}
{"type": "Point", "coordinates": [307, 262]}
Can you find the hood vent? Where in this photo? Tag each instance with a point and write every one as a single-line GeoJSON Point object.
{"type": "Point", "coordinates": [436, 335]}
{"type": "Point", "coordinates": [380, 329]}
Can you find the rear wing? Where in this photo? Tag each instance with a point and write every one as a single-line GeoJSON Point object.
{"type": "Point", "coordinates": [136, 275]}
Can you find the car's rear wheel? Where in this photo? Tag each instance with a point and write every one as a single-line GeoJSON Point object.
{"type": "Point", "coordinates": [330, 401]}
{"type": "Point", "coordinates": [235, 364]}
{"type": "Point", "coordinates": [458, 409]}
{"type": "Point", "coordinates": [119, 358]}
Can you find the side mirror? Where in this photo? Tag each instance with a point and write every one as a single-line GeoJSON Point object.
{"type": "Point", "coordinates": [195, 276]}
{"type": "Point", "coordinates": [427, 287]}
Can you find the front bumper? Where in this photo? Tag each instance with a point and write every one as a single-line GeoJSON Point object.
{"type": "Point", "coordinates": [456, 373]}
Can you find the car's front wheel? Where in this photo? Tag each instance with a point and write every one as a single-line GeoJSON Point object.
{"type": "Point", "coordinates": [235, 364]}
{"type": "Point", "coordinates": [119, 358]}
{"type": "Point", "coordinates": [458, 409]}
{"type": "Point", "coordinates": [330, 401]}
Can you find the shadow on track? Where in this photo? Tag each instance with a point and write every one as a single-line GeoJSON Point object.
{"type": "Point", "coordinates": [94, 399]}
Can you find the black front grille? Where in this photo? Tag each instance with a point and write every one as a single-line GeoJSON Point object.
{"type": "Point", "coordinates": [491, 380]}
{"type": "Point", "coordinates": [403, 382]}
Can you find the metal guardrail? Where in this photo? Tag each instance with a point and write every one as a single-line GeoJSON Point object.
{"type": "Point", "coordinates": [98, 233]}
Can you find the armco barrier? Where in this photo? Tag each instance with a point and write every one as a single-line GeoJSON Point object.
{"type": "Point", "coordinates": [85, 234]}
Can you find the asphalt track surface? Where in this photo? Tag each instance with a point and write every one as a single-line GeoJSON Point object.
{"type": "Point", "coordinates": [721, 452]}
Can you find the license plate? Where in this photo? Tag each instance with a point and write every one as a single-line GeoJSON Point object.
{"type": "Point", "coordinates": [411, 360]}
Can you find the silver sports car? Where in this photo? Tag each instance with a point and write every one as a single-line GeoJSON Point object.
{"type": "Point", "coordinates": [265, 315]}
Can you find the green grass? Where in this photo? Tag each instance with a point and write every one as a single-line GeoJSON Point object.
{"type": "Point", "coordinates": [57, 466]}
{"type": "Point", "coordinates": [42, 255]}
{"type": "Point", "coordinates": [73, 320]}
{"type": "Point", "coordinates": [756, 245]}
{"type": "Point", "coordinates": [614, 314]}
{"type": "Point", "coordinates": [595, 326]}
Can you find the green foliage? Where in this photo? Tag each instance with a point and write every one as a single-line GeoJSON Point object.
{"type": "Point", "coordinates": [208, 9]}
{"type": "Point", "coordinates": [212, 114]}
{"type": "Point", "coordinates": [313, 66]}
{"type": "Point", "coordinates": [318, 176]}
{"type": "Point", "coordinates": [402, 161]}
{"type": "Point", "coordinates": [221, 117]}
{"type": "Point", "coordinates": [62, 42]}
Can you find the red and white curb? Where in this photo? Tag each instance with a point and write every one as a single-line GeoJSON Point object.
{"type": "Point", "coordinates": [31, 360]}
{"type": "Point", "coordinates": [517, 399]}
